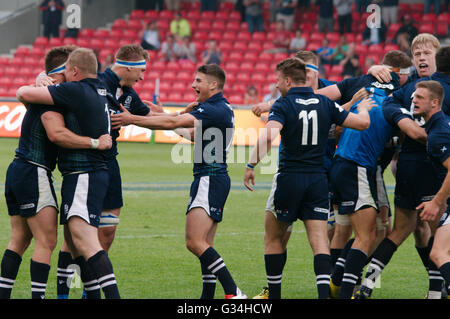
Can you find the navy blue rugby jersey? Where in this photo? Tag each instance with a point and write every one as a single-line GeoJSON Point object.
{"type": "Point", "coordinates": [120, 95]}
{"type": "Point", "coordinates": [306, 118]}
{"type": "Point", "coordinates": [438, 141]}
{"type": "Point", "coordinates": [214, 136]}
{"type": "Point", "coordinates": [402, 99]}
{"type": "Point", "coordinates": [34, 145]}
{"type": "Point", "coordinates": [86, 113]}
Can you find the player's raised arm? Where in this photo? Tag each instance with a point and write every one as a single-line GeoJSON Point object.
{"type": "Point", "coordinates": [360, 121]}
{"type": "Point", "coordinates": [35, 95]}
{"type": "Point", "coordinates": [163, 122]}
{"type": "Point", "coordinates": [332, 92]}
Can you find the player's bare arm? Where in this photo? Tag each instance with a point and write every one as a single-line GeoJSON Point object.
{"type": "Point", "coordinates": [36, 95]}
{"type": "Point", "coordinates": [163, 122]}
{"type": "Point", "coordinates": [260, 150]}
{"type": "Point", "coordinates": [59, 134]}
{"type": "Point", "coordinates": [332, 92]}
{"type": "Point", "coordinates": [360, 121]}
{"type": "Point", "coordinates": [414, 131]}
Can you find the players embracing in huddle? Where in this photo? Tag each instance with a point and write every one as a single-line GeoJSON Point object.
{"type": "Point", "coordinates": [77, 123]}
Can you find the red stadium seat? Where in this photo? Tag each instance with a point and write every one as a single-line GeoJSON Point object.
{"type": "Point", "coordinates": [21, 52]}
{"type": "Point", "coordinates": [175, 97]}
{"type": "Point", "coordinates": [110, 44]}
{"type": "Point", "coordinates": [41, 42]}
{"type": "Point", "coordinates": [69, 41]}
{"type": "Point", "coordinates": [193, 15]}
{"type": "Point", "coordinates": [244, 36]}
{"type": "Point", "coordinates": [116, 34]}
{"type": "Point", "coordinates": [336, 70]}
{"type": "Point", "coordinates": [219, 25]}
{"type": "Point", "coordinates": [5, 82]}
{"type": "Point", "coordinates": [96, 43]}
{"type": "Point", "coordinates": [166, 15]}
{"type": "Point", "coordinates": [229, 35]}
{"type": "Point", "coordinates": [235, 56]}
{"type": "Point", "coordinates": [240, 46]}
{"type": "Point", "coordinates": [426, 28]}
{"type": "Point", "coordinates": [232, 66]}
{"type": "Point", "coordinates": [226, 46]}
{"type": "Point", "coordinates": [83, 42]}
{"type": "Point", "coordinates": [251, 56]}
{"type": "Point", "coordinates": [16, 62]}
{"type": "Point", "coordinates": [31, 61]}
{"type": "Point", "coordinates": [130, 35]}
{"type": "Point", "coordinates": [36, 52]}
{"type": "Point", "coordinates": [55, 42]}
{"type": "Point", "coordinates": [236, 99]}
{"type": "Point", "coordinates": [441, 29]}
{"type": "Point", "coordinates": [151, 14]}
{"type": "Point", "coordinates": [207, 15]}
{"type": "Point", "coordinates": [3, 91]}
{"type": "Point", "coordinates": [119, 24]}
{"type": "Point", "coordinates": [137, 14]}
{"type": "Point", "coordinates": [258, 78]}
{"type": "Point", "coordinates": [169, 75]}
{"type": "Point", "coordinates": [222, 15]}
{"type": "Point", "coordinates": [262, 67]}
{"type": "Point", "coordinates": [173, 66]}
{"type": "Point", "coordinates": [233, 25]}
{"type": "Point", "coordinates": [376, 49]}
{"type": "Point", "coordinates": [216, 35]}
{"type": "Point", "coordinates": [235, 16]}
{"type": "Point", "coordinates": [101, 33]}
{"type": "Point", "coordinates": [243, 77]}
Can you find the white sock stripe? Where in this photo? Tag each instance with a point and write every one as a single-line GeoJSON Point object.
{"type": "Point", "coordinates": [436, 277]}
{"type": "Point", "coordinates": [347, 274]}
{"type": "Point", "coordinates": [379, 263]}
{"type": "Point", "coordinates": [352, 281]}
{"type": "Point", "coordinates": [65, 275]}
{"type": "Point", "coordinates": [323, 276]}
{"type": "Point", "coordinates": [376, 267]}
{"type": "Point", "coordinates": [108, 283]}
{"type": "Point", "coordinates": [38, 289]}
{"type": "Point", "coordinates": [38, 284]}
{"type": "Point", "coordinates": [338, 263]}
{"type": "Point", "coordinates": [7, 280]}
{"type": "Point", "coordinates": [90, 282]}
{"type": "Point", "coordinates": [6, 286]}
{"type": "Point", "coordinates": [92, 288]}
{"type": "Point", "coordinates": [323, 282]}
{"type": "Point", "coordinates": [210, 281]}
{"type": "Point", "coordinates": [434, 272]}
{"type": "Point", "coordinates": [104, 278]}
{"type": "Point", "coordinates": [215, 263]}
{"type": "Point", "coordinates": [274, 282]}
{"type": "Point", "coordinates": [220, 266]}
{"type": "Point", "coordinates": [274, 277]}
{"type": "Point", "coordinates": [341, 259]}
{"type": "Point", "coordinates": [67, 270]}
{"type": "Point", "coordinates": [209, 276]}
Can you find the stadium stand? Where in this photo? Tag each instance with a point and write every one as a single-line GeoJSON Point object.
{"type": "Point", "coordinates": [245, 59]}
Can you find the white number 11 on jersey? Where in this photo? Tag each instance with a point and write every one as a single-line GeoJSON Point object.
{"type": "Point", "coordinates": [305, 116]}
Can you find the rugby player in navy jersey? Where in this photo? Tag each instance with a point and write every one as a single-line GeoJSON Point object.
{"type": "Point", "coordinates": [300, 187]}
{"type": "Point", "coordinates": [213, 122]}
{"type": "Point", "coordinates": [412, 155]}
{"type": "Point", "coordinates": [83, 101]}
{"type": "Point", "coordinates": [29, 190]}
{"type": "Point", "coordinates": [428, 99]}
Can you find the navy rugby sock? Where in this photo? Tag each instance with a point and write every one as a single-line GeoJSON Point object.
{"type": "Point", "coordinates": [274, 271]}
{"type": "Point", "coordinates": [39, 277]}
{"type": "Point", "coordinates": [90, 283]}
{"type": "Point", "coordinates": [215, 264]}
{"type": "Point", "coordinates": [356, 259]}
{"type": "Point", "coordinates": [9, 268]}
{"type": "Point", "coordinates": [209, 283]}
{"type": "Point", "coordinates": [322, 269]}
{"type": "Point", "coordinates": [338, 271]}
{"type": "Point", "coordinates": [64, 274]}
{"type": "Point", "coordinates": [103, 270]}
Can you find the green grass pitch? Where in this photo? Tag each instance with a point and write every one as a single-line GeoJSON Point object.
{"type": "Point", "coordinates": [149, 255]}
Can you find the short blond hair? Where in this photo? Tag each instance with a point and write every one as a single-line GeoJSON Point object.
{"type": "Point", "coordinates": [85, 60]}
{"type": "Point", "coordinates": [435, 88]}
{"type": "Point", "coordinates": [423, 39]}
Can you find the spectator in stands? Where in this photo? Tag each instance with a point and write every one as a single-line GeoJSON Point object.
{"type": "Point", "coordinates": [170, 50]}
{"type": "Point", "coordinates": [150, 36]}
{"type": "Point", "coordinates": [281, 40]}
{"type": "Point", "coordinates": [173, 4]}
{"type": "Point", "coordinates": [253, 15]}
{"type": "Point", "coordinates": [325, 52]}
{"type": "Point", "coordinates": [239, 7]}
{"type": "Point", "coordinates": [298, 42]}
{"type": "Point", "coordinates": [406, 34]}
{"type": "Point", "coordinates": [340, 51]}
{"type": "Point", "coordinates": [108, 63]}
{"type": "Point", "coordinates": [52, 17]}
{"type": "Point", "coordinates": [273, 10]}
{"type": "Point", "coordinates": [187, 50]}
{"type": "Point", "coordinates": [303, 4]}
{"type": "Point", "coordinates": [325, 20]}
{"type": "Point", "coordinates": [389, 11]}
{"type": "Point", "coordinates": [375, 35]}
{"type": "Point", "coordinates": [213, 54]}
{"type": "Point", "coordinates": [350, 63]}
{"type": "Point", "coordinates": [180, 27]}
{"type": "Point", "coordinates": [344, 12]}
{"type": "Point", "coordinates": [361, 5]}
{"type": "Point", "coordinates": [155, 5]}
{"type": "Point", "coordinates": [436, 3]}
{"type": "Point", "coordinates": [251, 96]}
{"type": "Point", "coordinates": [286, 12]}
{"type": "Point", "coordinates": [273, 94]}
{"type": "Point", "coordinates": [208, 5]}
